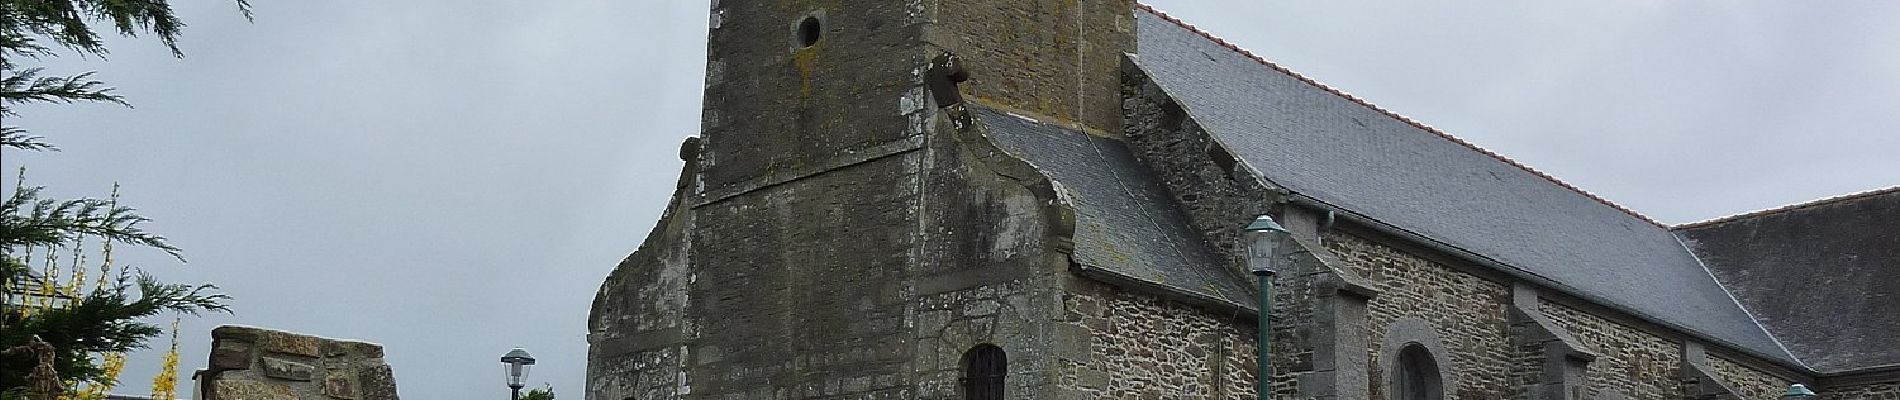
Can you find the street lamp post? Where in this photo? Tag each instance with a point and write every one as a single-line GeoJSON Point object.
{"type": "Point", "coordinates": [516, 364]}
{"type": "Point", "coordinates": [1263, 242]}
{"type": "Point", "coordinates": [1799, 392]}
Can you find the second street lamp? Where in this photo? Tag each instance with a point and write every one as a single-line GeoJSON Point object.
{"type": "Point", "coordinates": [516, 364]}
{"type": "Point", "coordinates": [1799, 392]}
{"type": "Point", "coordinates": [1264, 238]}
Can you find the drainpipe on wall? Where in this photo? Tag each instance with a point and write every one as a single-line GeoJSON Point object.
{"type": "Point", "coordinates": [1263, 242]}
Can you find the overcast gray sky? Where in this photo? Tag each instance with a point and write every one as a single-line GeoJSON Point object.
{"type": "Point", "coordinates": [455, 178]}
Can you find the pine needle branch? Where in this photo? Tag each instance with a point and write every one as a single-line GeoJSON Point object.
{"type": "Point", "coordinates": [27, 220]}
{"type": "Point", "coordinates": [27, 85]}
{"type": "Point", "coordinates": [13, 136]}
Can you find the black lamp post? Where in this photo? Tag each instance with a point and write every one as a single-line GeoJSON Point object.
{"type": "Point", "coordinates": [516, 364]}
{"type": "Point", "coordinates": [1263, 243]}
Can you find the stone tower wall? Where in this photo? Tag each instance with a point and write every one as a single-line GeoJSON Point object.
{"type": "Point", "coordinates": [776, 109]}
{"type": "Point", "coordinates": [1059, 59]}
{"type": "Point", "coordinates": [833, 234]}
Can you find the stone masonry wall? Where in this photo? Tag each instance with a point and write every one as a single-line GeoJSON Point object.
{"type": "Point", "coordinates": [1146, 347]}
{"type": "Point", "coordinates": [1527, 362]}
{"type": "Point", "coordinates": [641, 374]}
{"type": "Point", "coordinates": [1468, 313]}
{"type": "Point", "coordinates": [801, 289]}
{"type": "Point", "coordinates": [1630, 361]}
{"type": "Point", "coordinates": [1009, 315]}
{"type": "Point", "coordinates": [1051, 58]}
{"type": "Point", "coordinates": [1218, 194]}
{"type": "Point", "coordinates": [986, 266]}
{"type": "Point", "coordinates": [1748, 382]}
{"type": "Point", "coordinates": [262, 364]}
{"type": "Point", "coordinates": [1875, 391]}
{"type": "Point", "coordinates": [774, 107]}
{"type": "Point", "coordinates": [637, 326]}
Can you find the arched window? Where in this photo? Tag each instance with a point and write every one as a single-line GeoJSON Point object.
{"type": "Point", "coordinates": [1416, 375]}
{"type": "Point", "coordinates": [984, 367]}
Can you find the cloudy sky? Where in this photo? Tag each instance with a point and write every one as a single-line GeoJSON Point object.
{"type": "Point", "coordinates": [454, 178]}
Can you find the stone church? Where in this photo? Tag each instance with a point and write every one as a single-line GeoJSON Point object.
{"type": "Point", "coordinates": [1009, 199]}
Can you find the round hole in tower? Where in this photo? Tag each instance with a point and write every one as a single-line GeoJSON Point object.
{"type": "Point", "coordinates": [809, 31]}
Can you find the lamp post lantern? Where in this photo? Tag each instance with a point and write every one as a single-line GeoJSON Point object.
{"type": "Point", "coordinates": [1264, 238]}
{"type": "Point", "coordinates": [1799, 392]}
{"type": "Point", "coordinates": [516, 364]}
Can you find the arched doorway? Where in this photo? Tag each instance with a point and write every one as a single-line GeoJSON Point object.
{"type": "Point", "coordinates": [984, 369]}
{"type": "Point", "coordinates": [1416, 376]}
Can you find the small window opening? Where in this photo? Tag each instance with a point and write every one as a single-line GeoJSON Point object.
{"type": "Point", "coordinates": [1417, 375]}
{"type": "Point", "coordinates": [984, 368]}
{"type": "Point", "coordinates": [809, 31]}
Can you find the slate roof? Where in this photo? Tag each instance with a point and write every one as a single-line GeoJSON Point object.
{"type": "Point", "coordinates": [1126, 224]}
{"type": "Point", "coordinates": [1338, 150]}
{"type": "Point", "coordinates": [1823, 276]}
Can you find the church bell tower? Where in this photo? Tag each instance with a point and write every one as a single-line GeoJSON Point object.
{"type": "Point", "coordinates": [818, 210]}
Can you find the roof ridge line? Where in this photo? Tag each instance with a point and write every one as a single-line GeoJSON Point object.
{"type": "Point", "coordinates": [1390, 113]}
{"type": "Point", "coordinates": [1787, 208]}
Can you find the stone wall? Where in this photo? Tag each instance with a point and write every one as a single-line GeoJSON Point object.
{"type": "Point", "coordinates": [1466, 312]}
{"type": "Point", "coordinates": [803, 286]}
{"type": "Point", "coordinates": [1145, 347]}
{"type": "Point", "coordinates": [1635, 363]}
{"type": "Point", "coordinates": [637, 374]}
{"type": "Point", "coordinates": [261, 364]}
{"type": "Point", "coordinates": [1053, 58]}
{"type": "Point", "coordinates": [1009, 315]}
{"type": "Point", "coordinates": [774, 107]}
{"type": "Point", "coordinates": [1219, 195]}
{"type": "Point", "coordinates": [986, 264]}
{"type": "Point", "coordinates": [1749, 382]}
{"type": "Point", "coordinates": [637, 327]}
{"type": "Point", "coordinates": [1872, 391]}
{"type": "Point", "coordinates": [1527, 362]}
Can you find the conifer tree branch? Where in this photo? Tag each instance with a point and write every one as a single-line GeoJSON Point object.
{"type": "Point", "coordinates": [28, 221]}
{"type": "Point", "coordinates": [24, 86]}
{"type": "Point", "coordinates": [13, 136]}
